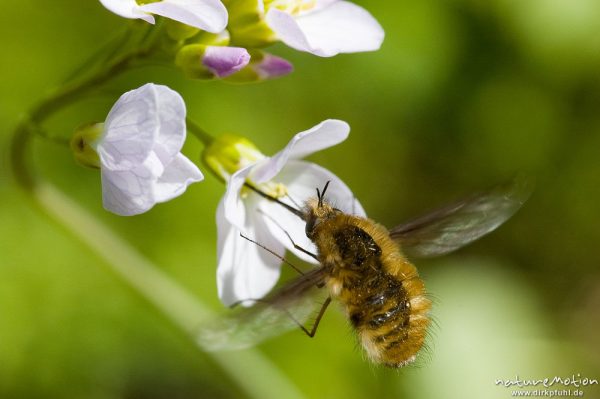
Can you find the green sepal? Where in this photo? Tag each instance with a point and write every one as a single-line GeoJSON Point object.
{"type": "Point", "coordinates": [228, 153]}
{"type": "Point", "coordinates": [212, 39]}
{"type": "Point", "coordinates": [189, 60]}
{"type": "Point", "coordinates": [83, 144]}
{"type": "Point", "coordinates": [179, 31]}
{"type": "Point", "coordinates": [247, 25]}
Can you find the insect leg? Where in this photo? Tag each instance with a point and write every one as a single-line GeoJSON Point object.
{"type": "Point", "coordinates": [298, 247]}
{"type": "Point", "coordinates": [293, 201]}
{"type": "Point", "coordinates": [313, 331]}
{"type": "Point", "coordinates": [284, 260]}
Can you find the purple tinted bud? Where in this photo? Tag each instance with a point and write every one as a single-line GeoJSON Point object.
{"type": "Point", "coordinates": [224, 61]}
{"type": "Point", "coordinates": [272, 66]}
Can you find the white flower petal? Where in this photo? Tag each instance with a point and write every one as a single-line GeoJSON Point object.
{"type": "Point", "coordinates": [232, 203]}
{"type": "Point", "coordinates": [288, 30]}
{"type": "Point", "coordinates": [326, 134]}
{"type": "Point", "coordinates": [319, 4]}
{"type": "Point", "coordinates": [245, 270]}
{"type": "Point", "coordinates": [341, 27]}
{"type": "Point", "coordinates": [279, 221]}
{"type": "Point", "coordinates": [130, 130]}
{"type": "Point", "coordinates": [139, 151]}
{"type": "Point", "coordinates": [171, 117]}
{"type": "Point", "coordinates": [179, 174]}
{"type": "Point", "coordinates": [127, 9]}
{"type": "Point", "coordinates": [128, 192]}
{"type": "Point", "coordinates": [208, 15]}
{"type": "Point", "coordinates": [303, 178]}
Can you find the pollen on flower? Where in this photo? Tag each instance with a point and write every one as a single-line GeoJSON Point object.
{"type": "Point", "coordinates": [271, 188]}
{"type": "Point", "coordinates": [276, 190]}
{"type": "Point", "coordinates": [293, 7]}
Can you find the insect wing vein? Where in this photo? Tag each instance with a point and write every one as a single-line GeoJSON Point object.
{"type": "Point", "coordinates": [456, 225]}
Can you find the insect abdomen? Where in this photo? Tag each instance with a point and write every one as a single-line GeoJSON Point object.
{"type": "Point", "coordinates": [383, 295]}
{"type": "Point", "coordinates": [391, 323]}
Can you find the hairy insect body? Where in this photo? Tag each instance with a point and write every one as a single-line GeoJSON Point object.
{"type": "Point", "coordinates": [382, 294]}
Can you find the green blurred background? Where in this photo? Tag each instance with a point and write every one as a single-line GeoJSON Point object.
{"type": "Point", "coordinates": [462, 94]}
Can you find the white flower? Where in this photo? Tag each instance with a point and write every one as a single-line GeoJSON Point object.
{"type": "Point", "coordinates": [324, 27]}
{"type": "Point", "coordinates": [245, 270]}
{"type": "Point", "coordinates": [139, 151]}
{"type": "Point", "coordinates": [209, 15]}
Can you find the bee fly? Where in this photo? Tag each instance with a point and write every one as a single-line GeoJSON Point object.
{"type": "Point", "coordinates": [365, 267]}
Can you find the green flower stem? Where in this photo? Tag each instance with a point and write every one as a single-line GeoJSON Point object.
{"type": "Point", "coordinates": [198, 132]}
{"type": "Point", "coordinates": [248, 368]}
{"type": "Point", "coordinates": [32, 121]}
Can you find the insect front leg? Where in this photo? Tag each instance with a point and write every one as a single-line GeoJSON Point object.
{"type": "Point", "coordinates": [298, 247]}
{"type": "Point", "coordinates": [284, 260]}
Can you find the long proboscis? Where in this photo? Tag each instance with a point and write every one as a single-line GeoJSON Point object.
{"type": "Point", "coordinates": [290, 208]}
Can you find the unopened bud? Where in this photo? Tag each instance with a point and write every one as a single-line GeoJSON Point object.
{"type": "Point", "coordinates": [206, 62]}
{"type": "Point", "coordinates": [83, 144]}
{"type": "Point", "coordinates": [229, 153]}
{"type": "Point", "coordinates": [262, 66]}
{"type": "Point", "coordinates": [247, 25]}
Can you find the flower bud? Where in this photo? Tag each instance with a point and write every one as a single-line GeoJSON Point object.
{"type": "Point", "coordinates": [199, 61]}
{"type": "Point", "coordinates": [179, 31]}
{"type": "Point", "coordinates": [83, 144]}
{"type": "Point", "coordinates": [213, 39]}
{"type": "Point", "coordinates": [229, 153]}
{"type": "Point", "coordinates": [262, 66]}
{"type": "Point", "coordinates": [247, 25]}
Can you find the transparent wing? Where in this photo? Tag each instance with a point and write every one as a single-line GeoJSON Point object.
{"type": "Point", "coordinates": [279, 312]}
{"type": "Point", "coordinates": [448, 228]}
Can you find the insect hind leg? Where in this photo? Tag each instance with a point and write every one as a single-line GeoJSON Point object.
{"type": "Point", "coordinates": [313, 330]}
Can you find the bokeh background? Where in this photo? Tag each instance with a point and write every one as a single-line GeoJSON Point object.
{"type": "Point", "coordinates": [462, 95]}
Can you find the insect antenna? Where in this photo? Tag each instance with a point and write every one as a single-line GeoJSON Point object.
{"type": "Point", "coordinates": [321, 195]}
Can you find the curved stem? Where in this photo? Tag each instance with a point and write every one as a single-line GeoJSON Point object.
{"type": "Point", "coordinates": [249, 369]}
{"type": "Point", "coordinates": [56, 100]}
{"type": "Point", "coordinates": [200, 133]}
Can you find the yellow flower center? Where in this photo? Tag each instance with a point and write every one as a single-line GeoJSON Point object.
{"type": "Point", "coordinates": [229, 153]}
{"type": "Point", "coordinates": [271, 188]}
{"type": "Point", "coordinates": [293, 7]}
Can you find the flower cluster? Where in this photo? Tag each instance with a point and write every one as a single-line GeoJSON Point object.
{"type": "Point", "coordinates": [138, 147]}
{"type": "Point", "coordinates": [216, 40]}
{"type": "Point", "coordinates": [137, 150]}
